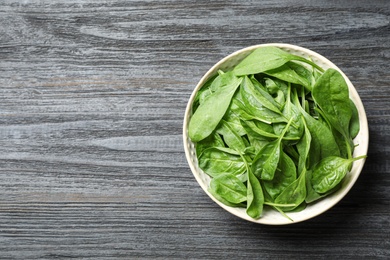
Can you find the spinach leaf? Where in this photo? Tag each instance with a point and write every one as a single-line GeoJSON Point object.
{"type": "Point", "coordinates": [273, 85]}
{"type": "Point", "coordinates": [277, 88]}
{"type": "Point", "coordinates": [291, 112]}
{"type": "Point", "coordinates": [305, 74]}
{"type": "Point", "coordinates": [292, 152]}
{"type": "Point", "coordinates": [346, 145]}
{"type": "Point", "coordinates": [247, 110]}
{"type": "Point", "coordinates": [295, 193]}
{"type": "Point", "coordinates": [209, 113]}
{"type": "Point", "coordinates": [224, 201]}
{"type": "Point", "coordinates": [354, 124]}
{"type": "Point", "coordinates": [267, 58]}
{"type": "Point", "coordinates": [239, 108]}
{"type": "Point", "coordinates": [331, 94]}
{"type": "Point", "coordinates": [257, 97]}
{"type": "Point", "coordinates": [330, 171]}
{"type": "Point", "coordinates": [266, 161]}
{"type": "Point", "coordinates": [203, 92]}
{"type": "Point", "coordinates": [323, 143]}
{"type": "Point", "coordinates": [285, 174]}
{"type": "Point", "coordinates": [252, 105]}
{"type": "Point", "coordinates": [269, 100]}
{"type": "Point", "coordinates": [312, 195]}
{"type": "Point", "coordinates": [259, 129]}
{"type": "Point", "coordinates": [223, 79]}
{"type": "Point", "coordinates": [213, 140]}
{"type": "Point", "coordinates": [303, 147]}
{"type": "Point", "coordinates": [286, 73]}
{"type": "Point", "coordinates": [231, 138]}
{"type": "Point", "coordinates": [255, 196]}
{"type": "Point", "coordinates": [216, 160]}
{"type": "Point", "coordinates": [229, 187]}
{"type": "Point", "coordinates": [257, 144]}
{"type": "Point", "coordinates": [233, 117]}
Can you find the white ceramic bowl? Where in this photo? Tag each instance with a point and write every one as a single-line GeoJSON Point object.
{"type": "Point", "coordinates": [271, 216]}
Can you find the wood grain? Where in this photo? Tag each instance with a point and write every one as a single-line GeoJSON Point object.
{"type": "Point", "coordinates": [92, 100]}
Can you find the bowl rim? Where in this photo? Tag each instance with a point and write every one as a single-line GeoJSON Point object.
{"type": "Point", "coordinates": [325, 203]}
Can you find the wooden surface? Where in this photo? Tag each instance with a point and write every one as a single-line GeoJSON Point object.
{"type": "Point", "coordinates": [92, 99]}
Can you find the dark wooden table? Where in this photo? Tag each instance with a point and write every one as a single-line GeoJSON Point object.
{"type": "Point", "coordinates": [92, 99]}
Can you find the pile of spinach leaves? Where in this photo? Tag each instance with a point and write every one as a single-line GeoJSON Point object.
{"type": "Point", "coordinates": [277, 130]}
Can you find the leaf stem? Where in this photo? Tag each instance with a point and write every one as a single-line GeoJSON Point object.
{"type": "Point", "coordinates": [349, 150]}
{"type": "Point", "coordinates": [312, 64]}
{"type": "Point", "coordinates": [358, 158]}
{"type": "Point", "coordinates": [283, 214]}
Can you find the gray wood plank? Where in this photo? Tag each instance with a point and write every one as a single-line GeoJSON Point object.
{"type": "Point", "coordinates": [92, 99]}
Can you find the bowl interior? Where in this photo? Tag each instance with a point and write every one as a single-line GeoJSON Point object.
{"type": "Point", "coordinates": [270, 216]}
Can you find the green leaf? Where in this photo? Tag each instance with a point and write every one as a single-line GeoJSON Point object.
{"type": "Point", "coordinates": [239, 108]}
{"type": "Point", "coordinates": [233, 117]}
{"type": "Point", "coordinates": [213, 140]}
{"type": "Point", "coordinates": [331, 94]}
{"type": "Point", "coordinates": [286, 73]}
{"type": "Point", "coordinates": [323, 143]}
{"type": "Point", "coordinates": [227, 203]}
{"type": "Point", "coordinates": [305, 74]}
{"type": "Point", "coordinates": [210, 112]}
{"type": "Point", "coordinates": [303, 147]}
{"type": "Point", "coordinates": [255, 196]}
{"type": "Point", "coordinates": [231, 137]}
{"type": "Point", "coordinates": [312, 195]}
{"type": "Point", "coordinates": [291, 112]}
{"type": "Point", "coordinates": [266, 58]}
{"type": "Point", "coordinates": [354, 124]}
{"type": "Point", "coordinates": [266, 98]}
{"type": "Point", "coordinates": [216, 161]}
{"type": "Point", "coordinates": [257, 144]}
{"type": "Point", "coordinates": [329, 172]}
{"type": "Point", "coordinates": [274, 85]}
{"type": "Point", "coordinates": [285, 174]}
{"type": "Point", "coordinates": [272, 157]}
{"type": "Point", "coordinates": [259, 129]}
{"type": "Point", "coordinates": [345, 144]}
{"type": "Point", "coordinates": [256, 100]}
{"type": "Point", "coordinates": [266, 161]}
{"type": "Point", "coordinates": [229, 187]}
{"type": "Point", "coordinates": [222, 80]}
{"type": "Point", "coordinates": [252, 111]}
{"type": "Point", "coordinates": [203, 92]}
{"type": "Point", "coordinates": [295, 193]}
